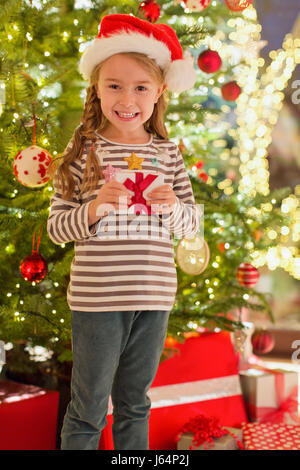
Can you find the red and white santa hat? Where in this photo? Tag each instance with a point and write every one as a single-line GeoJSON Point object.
{"type": "Point", "coordinates": [127, 33]}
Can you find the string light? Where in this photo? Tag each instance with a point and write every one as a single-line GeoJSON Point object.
{"type": "Point", "coordinates": [258, 108]}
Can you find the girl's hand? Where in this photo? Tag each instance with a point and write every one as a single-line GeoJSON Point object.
{"type": "Point", "coordinates": [112, 193]}
{"type": "Point", "coordinates": [163, 196]}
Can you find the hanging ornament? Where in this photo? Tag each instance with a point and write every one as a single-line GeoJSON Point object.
{"type": "Point", "coordinates": [181, 146]}
{"type": "Point", "coordinates": [262, 341]}
{"type": "Point", "coordinates": [230, 91]}
{"type": "Point", "coordinates": [247, 275]}
{"type": "Point", "coordinates": [221, 247]}
{"type": "Point", "coordinates": [192, 255]}
{"type": "Point", "coordinates": [197, 5]}
{"type": "Point", "coordinates": [34, 267]}
{"type": "Point", "coordinates": [238, 5]}
{"type": "Point", "coordinates": [257, 234]}
{"type": "Point", "coordinates": [209, 61]}
{"type": "Point", "coordinates": [203, 176]}
{"type": "Point", "coordinates": [32, 165]}
{"type": "Point", "coordinates": [150, 9]}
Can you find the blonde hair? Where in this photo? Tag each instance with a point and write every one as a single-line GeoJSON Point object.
{"type": "Point", "coordinates": [93, 119]}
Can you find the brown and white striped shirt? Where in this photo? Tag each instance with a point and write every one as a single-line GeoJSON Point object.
{"type": "Point", "coordinates": [124, 262]}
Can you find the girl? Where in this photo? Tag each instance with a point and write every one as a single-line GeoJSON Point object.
{"type": "Point", "coordinates": [122, 287]}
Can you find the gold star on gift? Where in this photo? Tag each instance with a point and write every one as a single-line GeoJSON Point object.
{"type": "Point", "coordinates": [134, 162]}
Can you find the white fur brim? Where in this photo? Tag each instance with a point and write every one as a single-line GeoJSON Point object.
{"type": "Point", "coordinates": [105, 47]}
{"type": "Point", "coordinates": [180, 74]}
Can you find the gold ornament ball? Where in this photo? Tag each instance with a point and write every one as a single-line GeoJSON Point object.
{"type": "Point", "coordinates": [192, 255]}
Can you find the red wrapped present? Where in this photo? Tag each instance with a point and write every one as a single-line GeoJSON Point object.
{"type": "Point", "coordinates": [139, 183]}
{"type": "Point", "coordinates": [269, 436]}
{"type": "Point", "coordinates": [270, 394]}
{"type": "Point", "coordinates": [201, 378]}
{"type": "Point", "coordinates": [28, 417]}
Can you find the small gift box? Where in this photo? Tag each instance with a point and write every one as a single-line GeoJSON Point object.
{"type": "Point", "coordinates": [270, 394]}
{"type": "Point", "coordinates": [269, 436]}
{"type": "Point", "coordinates": [205, 433]}
{"type": "Point", "coordinates": [139, 183]}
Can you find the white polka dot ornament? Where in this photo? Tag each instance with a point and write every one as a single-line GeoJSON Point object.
{"type": "Point", "coordinates": [32, 166]}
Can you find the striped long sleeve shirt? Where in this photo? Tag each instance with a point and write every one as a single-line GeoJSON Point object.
{"type": "Point", "coordinates": [125, 261]}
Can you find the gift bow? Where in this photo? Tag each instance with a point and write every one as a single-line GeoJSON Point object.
{"type": "Point", "coordinates": [205, 428]}
{"type": "Point", "coordinates": [288, 405]}
{"type": "Point", "coordinates": [138, 186]}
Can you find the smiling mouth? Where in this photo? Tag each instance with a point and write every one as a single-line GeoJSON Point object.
{"type": "Point", "coordinates": [126, 115]}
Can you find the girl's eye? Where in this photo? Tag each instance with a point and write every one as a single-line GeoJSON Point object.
{"type": "Point", "coordinates": [140, 87]}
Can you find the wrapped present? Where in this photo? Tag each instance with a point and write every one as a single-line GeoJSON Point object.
{"type": "Point", "coordinates": [28, 417]}
{"type": "Point", "coordinates": [202, 377]}
{"type": "Point", "coordinates": [139, 183]}
{"type": "Point", "coordinates": [270, 394]}
{"type": "Point", "coordinates": [205, 433]}
{"type": "Point", "coordinates": [269, 436]}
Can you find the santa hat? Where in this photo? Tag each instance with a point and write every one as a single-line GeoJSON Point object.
{"type": "Point", "coordinates": [126, 33]}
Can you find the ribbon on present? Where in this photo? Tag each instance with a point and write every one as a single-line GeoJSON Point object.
{"type": "Point", "coordinates": [269, 414]}
{"type": "Point", "coordinates": [205, 429]}
{"type": "Point", "coordinates": [287, 405]}
{"type": "Point", "coordinates": [138, 186]}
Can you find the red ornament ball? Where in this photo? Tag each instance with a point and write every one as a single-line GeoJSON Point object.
{"type": "Point", "coordinates": [262, 341]}
{"type": "Point", "coordinates": [203, 176]}
{"type": "Point", "coordinates": [209, 61]}
{"type": "Point", "coordinates": [230, 91]}
{"type": "Point", "coordinates": [31, 166]}
{"type": "Point", "coordinates": [197, 5]}
{"type": "Point", "coordinates": [34, 267]}
{"type": "Point", "coordinates": [238, 5]}
{"type": "Point", "coordinates": [247, 275]}
{"type": "Point", "coordinates": [151, 10]}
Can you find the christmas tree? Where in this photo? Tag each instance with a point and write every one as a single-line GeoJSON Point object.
{"type": "Point", "coordinates": [42, 103]}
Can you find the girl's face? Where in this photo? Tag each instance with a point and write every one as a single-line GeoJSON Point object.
{"type": "Point", "coordinates": [127, 95]}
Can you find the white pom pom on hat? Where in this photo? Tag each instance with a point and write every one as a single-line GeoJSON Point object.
{"type": "Point", "coordinates": [127, 33]}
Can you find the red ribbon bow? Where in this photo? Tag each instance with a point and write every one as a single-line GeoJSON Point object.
{"type": "Point", "coordinates": [138, 187]}
{"type": "Point", "coordinates": [205, 428]}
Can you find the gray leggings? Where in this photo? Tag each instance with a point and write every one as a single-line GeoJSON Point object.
{"type": "Point", "coordinates": [117, 354]}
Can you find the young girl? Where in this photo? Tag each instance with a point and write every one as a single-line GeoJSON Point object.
{"type": "Point", "coordinates": [122, 288]}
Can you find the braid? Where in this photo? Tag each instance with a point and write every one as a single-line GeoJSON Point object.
{"type": "Point", "coordinates": [91, 120]}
